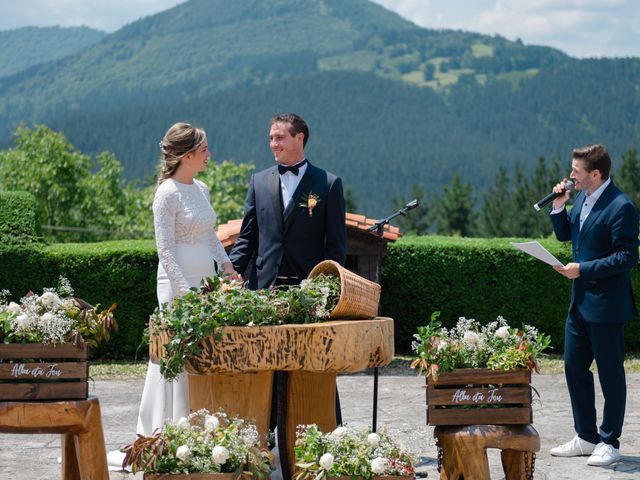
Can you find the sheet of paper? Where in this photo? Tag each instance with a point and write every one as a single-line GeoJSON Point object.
{"type": "Point", "coordinates": [538, 251]}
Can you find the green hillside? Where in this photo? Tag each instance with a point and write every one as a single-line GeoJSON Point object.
{"type": "Point", "coordinates": [25, 47]}
{"type": "Point", "coordinates": [390, 104]}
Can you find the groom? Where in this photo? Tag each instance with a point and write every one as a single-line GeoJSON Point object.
{"type": "Point", "coordinates": [294, 217]}
{"type": "Point", "coordinates": [294, 214]}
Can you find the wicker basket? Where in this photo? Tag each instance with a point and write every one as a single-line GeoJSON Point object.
{"type": "Point", "coordinates": [359, 297]}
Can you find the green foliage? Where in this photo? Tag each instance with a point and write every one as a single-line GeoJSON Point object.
{"type": "Point", "coordinates": [480, 279]}
{"type": "Point", "coordinates": [121, 272]}
{"type": "Point", "coordinates": [202, 443]}
{"type": "Point", "coordinates": [350, 452]}
{"type": "Point", "coordinates": [25, 47]}
{"type": "Point", "coordinates": [55, 317]}
{"type": "Point", "coordinates": [497, 100]}
{"type": "Point", "coordinates": [628, 179]}
{"type": "Point", "coordinates": [456, 213]}
{"type": "Point", "coordinates": [202, 313]}
{"type": "Point", "coordinates": [415, 222]}
{"type": "Point", "coordinates": [86, 199]}
{"type": "Point", "coordinates": [495, 345]}
{"type": "Point", "coordinates": [19, 219]}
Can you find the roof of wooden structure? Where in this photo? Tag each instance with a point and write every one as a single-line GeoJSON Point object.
{"type": "Point", "coordinates": [228, 232]}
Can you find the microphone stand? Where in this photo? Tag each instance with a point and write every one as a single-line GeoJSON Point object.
{"type": "Point", "coordinates": [378, 227]}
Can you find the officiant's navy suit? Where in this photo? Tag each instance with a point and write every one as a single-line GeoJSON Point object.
{"type": "Point", "coordinates": [606, 247]}
{"type": "Point", "coordinates": [289, 242]}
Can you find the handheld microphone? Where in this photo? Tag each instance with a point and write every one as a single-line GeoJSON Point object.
{"type": "Point", "coordinates": [568, 185]}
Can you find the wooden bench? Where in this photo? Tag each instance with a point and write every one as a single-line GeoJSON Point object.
{"type": "Point", "coordinates": [84, 456]}
{"type": "Point", "coordinates": [462, 450]}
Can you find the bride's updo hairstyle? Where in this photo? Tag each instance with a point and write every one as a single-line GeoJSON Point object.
{"type": "Point", "coordinates": [179, 140]}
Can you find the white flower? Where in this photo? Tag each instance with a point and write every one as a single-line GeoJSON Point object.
{"type": "Point", "coordinates": [220, 454]}
{"type": "Point", "coordinates": [13, 307]}
{"type": "Point", "coordinates": [379, 465]}
{"type": "Point", "coordinates": [374, 440]}
{"type": "Point", "coordinates": [470, 339]}
{"type": "Point", "coordinates": [211, 423]}
{"type": "Point", "coordinates": [339, 432]}
{"type": "Point", "coordinates": [183, 452]}
{"type": "Point", "coordinates": [47, 317]}
{"type": "Point", "coordinates": [50, 299]}
{"type": "Point", "coordinates": [23, 321]}
{"type": "Point", "coordinates": [502, 332]}
{"type": "Point", "coordinates": [183, 422]}
{"type": "Point", "coordinates": [326, 461]}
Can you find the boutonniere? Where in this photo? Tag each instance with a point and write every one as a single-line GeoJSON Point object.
{"type": "Point", "coordinates": [309, 202]}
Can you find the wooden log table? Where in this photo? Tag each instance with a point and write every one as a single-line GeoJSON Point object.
{"type": "Point", "coordinates": [84, 456]}
{"type": "Point", "coordinates": [236, 373]}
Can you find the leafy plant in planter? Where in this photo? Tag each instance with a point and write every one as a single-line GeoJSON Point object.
{"type": "Point", "coordinates": [201, 443]}
{"type": "Point", "coordinates": [204, 312]}
{"type": "Point", "coordinates": [351, 452]}
{"type": "Point", "coordinates": [496, 346]}
{"type": "Point", "coordinates": [54, 317]}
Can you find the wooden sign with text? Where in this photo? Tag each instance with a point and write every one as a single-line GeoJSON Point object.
{"type": "Point", "coordinates": [36, 371]}
{"type": "Point", "coordinates": [480, 396]}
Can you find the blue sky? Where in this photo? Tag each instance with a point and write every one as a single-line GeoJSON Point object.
{"type": "Point", "coordinates": [581, 28]}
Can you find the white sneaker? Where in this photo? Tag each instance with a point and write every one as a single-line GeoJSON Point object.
{"type": "Point", "coordinates": [604, 454]}
{"type": "Point", "coordinates": [114, 461]}
{"type": "Point", "coordinates": [574, 448]}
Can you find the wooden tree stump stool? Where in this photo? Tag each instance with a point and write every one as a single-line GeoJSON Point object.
{"type": "Point", "coordinates": [462, 450]}
{"type": "Point", "coordinates": [84, 456]}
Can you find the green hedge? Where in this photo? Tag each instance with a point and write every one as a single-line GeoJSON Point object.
{"type": "Point", "coordinates": [477, 278]}
{"type": "Point", "coordinates": [19, 221]}
{"type": "Point", "coordinates": [481, 279]}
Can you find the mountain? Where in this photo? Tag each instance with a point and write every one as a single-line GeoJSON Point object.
{"type": "Point", "coordinates": [389, 104]}
{"type": "Point", "coordinates": [25, 47]}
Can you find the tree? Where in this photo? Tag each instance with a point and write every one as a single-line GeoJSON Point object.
{"type": "Point", "coordinates": [82, 198]}
{"type": "Point", "coordinates": [498, 209]}
{"type": "Point", "coordinates": [456, 211]}
{"type": "Point", "coordinates": [629, 179]}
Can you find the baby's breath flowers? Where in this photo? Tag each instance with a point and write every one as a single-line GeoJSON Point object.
{"type": "Point", "coordinates": [201, 443]}
{"type": "Point", "coordinates": [349, 451]}
{"type": "Point", "coordinates": [471, 345]}
{"type": "Point", "coordinates": [55, 316]}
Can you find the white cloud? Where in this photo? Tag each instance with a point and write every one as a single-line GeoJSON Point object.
{"type": "Point", "coordinates": [107, 15]}
{"type": "Point", "coordinates": [579, 27]}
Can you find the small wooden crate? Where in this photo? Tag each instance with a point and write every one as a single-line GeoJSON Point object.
{"type": "Point", "coordinates": [36, 371]}
{"type": "Point", "coordinates": [478, 396]}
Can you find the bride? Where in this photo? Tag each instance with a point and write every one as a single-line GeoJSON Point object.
{"type": "Point", "coordinates": [187, 246]}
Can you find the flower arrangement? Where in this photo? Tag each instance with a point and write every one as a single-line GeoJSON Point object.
{"type": "Point", "coordinates": [470, 345]}
{"type": "Point", "coordinates": [201, 443]}
{"type": "Point", "coordinates": [202, 313]}
{"type": "Point", "coordinates": [350, 451]}
{"type": "Point", "coordinates": [55, 317]}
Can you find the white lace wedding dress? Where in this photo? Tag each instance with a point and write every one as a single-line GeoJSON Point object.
{"type": "Point", "coordinates": [187, 248]}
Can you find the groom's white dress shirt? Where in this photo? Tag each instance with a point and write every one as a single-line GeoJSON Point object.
{"type": "Point", "coordinates": [289, 182]}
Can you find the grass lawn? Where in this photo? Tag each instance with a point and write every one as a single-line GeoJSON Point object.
{"type": "Point", "coordinates": [551, 364]}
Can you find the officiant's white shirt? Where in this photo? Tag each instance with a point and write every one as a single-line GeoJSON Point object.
{"type": "Point", "coordinates": [289, 182]}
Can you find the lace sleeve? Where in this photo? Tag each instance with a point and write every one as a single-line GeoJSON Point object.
{"type": "Point", "coordinates": [165, 206]}
{"type": "Point", "coordinates": [217, 250]}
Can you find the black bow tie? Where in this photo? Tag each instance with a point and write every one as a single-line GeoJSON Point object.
{"type": "Point", "coordinates": [282, 169]}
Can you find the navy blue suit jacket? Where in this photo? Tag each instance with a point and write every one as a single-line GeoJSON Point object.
{"type": "Point", "coordinates": [268, 234]}
{"type": "Point", "coordinates": [607, 249]}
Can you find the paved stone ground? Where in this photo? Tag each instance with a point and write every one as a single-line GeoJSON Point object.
{"type": "Point", "coordinates": [401, 409]}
